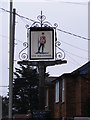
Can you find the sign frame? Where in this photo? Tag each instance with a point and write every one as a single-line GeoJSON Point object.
{"type": "Point", "coordinates": [44, 50]}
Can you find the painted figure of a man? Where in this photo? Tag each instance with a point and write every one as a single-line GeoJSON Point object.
{"type": "Point", "coordinates": [42, 42]}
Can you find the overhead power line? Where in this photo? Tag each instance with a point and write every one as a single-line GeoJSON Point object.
{"type": "Point", "coordinates": [4, 36]}
{"type": "Point", "coordinates": [75, 62]}
{"type": "Point", "coordinates": [76, 3]}
{"type": "Point", "coordinates": [24, 17]}
{"type": "Point", "coordinates": [79, 36]}
{"type": "Point", "coordinates": [75, 54]}
{"type": "Point", "coordinates": [17, 15]}
{"type": "Point", "coordinates": [74, 46]}
{"type": "Point", "coordinates": [64, 50]}
{"type": "Point", "coordinates": [59, 40]}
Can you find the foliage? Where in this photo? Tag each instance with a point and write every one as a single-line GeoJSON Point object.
{"type": "Point", "coordinates": [25, 89]}
{"type": "Point", "coordinates": [5, 101]}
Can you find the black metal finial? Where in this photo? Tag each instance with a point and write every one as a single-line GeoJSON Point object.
{"type": "Point", "coordinates": [41, 18]}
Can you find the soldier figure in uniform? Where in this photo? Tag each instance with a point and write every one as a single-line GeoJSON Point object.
{"type": "Point", "coordinates": [42, 42]}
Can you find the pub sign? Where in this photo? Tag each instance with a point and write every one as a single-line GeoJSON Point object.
{"type": "Point", "coordinates": [42, 43]}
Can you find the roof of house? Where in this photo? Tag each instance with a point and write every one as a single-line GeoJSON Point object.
{"type": "Point", "coordinates": [82, 70]}
{"type": "Point", "coordinates": [49, 80]}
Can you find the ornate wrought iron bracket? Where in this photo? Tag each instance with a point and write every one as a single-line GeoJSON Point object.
{"type": "Point", "coordinates": [61, 53]}
{"type": "Point", "coordinates": [41, 22]}
{"type": "Point", "coordinates": [23, 55]}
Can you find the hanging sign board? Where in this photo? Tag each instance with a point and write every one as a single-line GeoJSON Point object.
{"type": "Point", "coordinates": [41, 43]}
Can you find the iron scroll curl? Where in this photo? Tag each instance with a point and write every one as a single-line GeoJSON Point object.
{"type": "Point", "coordinates": [61, 53]}
{"type": "Point", "coordinates": [23, 55]}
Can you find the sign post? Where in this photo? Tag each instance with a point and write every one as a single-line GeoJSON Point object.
{"type": "Point", "coordinates": [41, 69]}
{"type": "Point", "coordinates": [42, 49]}
{"type": "Point", "coordinates": [42, 52]}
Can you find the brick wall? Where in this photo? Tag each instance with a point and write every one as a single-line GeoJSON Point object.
{"type": "Point", "coordinates": [51, 100]}
{"type": "Point", "coordinates": [70, 97]}
{"type": "Point", "coordinates": [56, 110]}
{"type": "Point", "coordinates": [56, 105]}
{"type": "Point", "coordinates": [76, 94]}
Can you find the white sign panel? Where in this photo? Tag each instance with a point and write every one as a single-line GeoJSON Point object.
{"type": "Point", "coordinates": [41, 43]}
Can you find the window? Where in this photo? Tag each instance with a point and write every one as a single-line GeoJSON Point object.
{"type": "Point", "coordinates": [57, 92]}
{"type": "Point", "coordinates": [63, 90]}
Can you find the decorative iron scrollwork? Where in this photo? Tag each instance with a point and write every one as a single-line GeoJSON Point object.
{"type": "Point", "coordinates": [41, 22]}
{"type": "Point", "coordinates": [56, 25]}
{"type": "Point", "coordinates": [60, 54]}
{"type": "Point", "coordinates": [23, 55]}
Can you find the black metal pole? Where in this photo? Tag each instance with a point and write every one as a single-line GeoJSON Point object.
{"type": "Point", "coordinates": [11, 65]}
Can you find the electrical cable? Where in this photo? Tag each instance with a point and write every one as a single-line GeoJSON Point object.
{"type": "Point", "coordinates": [4, 36]}
{"type": "Point", "coordinates": [73, 34]}
{"type": "Point", "coordinates": [60, 40]}
{"type": "Point", "coordinates": [64, 50]}
{"type": "Point", "coordinates": [79, 36]}
{"type": "Point", "coordinates": [74, 60]}
{"type": "Point", "coordinates": [76, 55]}
{"type": "Point", "coordinates": [25, 17]}
{"type": "Point", "coordinates": [74, 46]}
{"type": "Point", "coordinates": [18, 15]}
{"type": "Point", "coordinates": [76, 3]}
{"type": "Point", "coordinates": [57, 29]}
{"type": "Point", "coordinates": [8, 38]}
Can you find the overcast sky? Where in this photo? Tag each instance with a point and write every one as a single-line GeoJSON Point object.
{"type": "Point", "coordinates": [70, 15]}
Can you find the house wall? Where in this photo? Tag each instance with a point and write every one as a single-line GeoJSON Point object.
{"type": "Point", "coordinates": [70, 97]}
{"type": "Point", "coordinates": [84, 95]}
{"type": "Point", "coordinates": [63, 104]}
{"type": "Point", "coordinates": [76, 93]}
{"type": "Point", "coordinates": [56, 105]}
{"type": "Point", "coordinates": [56, 110]}
{"type": "Point", "coordinates": [60, 108]}
{"type": "Point", "coordinates": [88, 81]}
{"type": "Point", "coordinates": [51, 100]}
{"type": "Point", "coordinates": [77, 89]}
{"type": "Point", "coordinates": [85, 92]}
{"type": "Point", "coordinates": [78, 96]}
